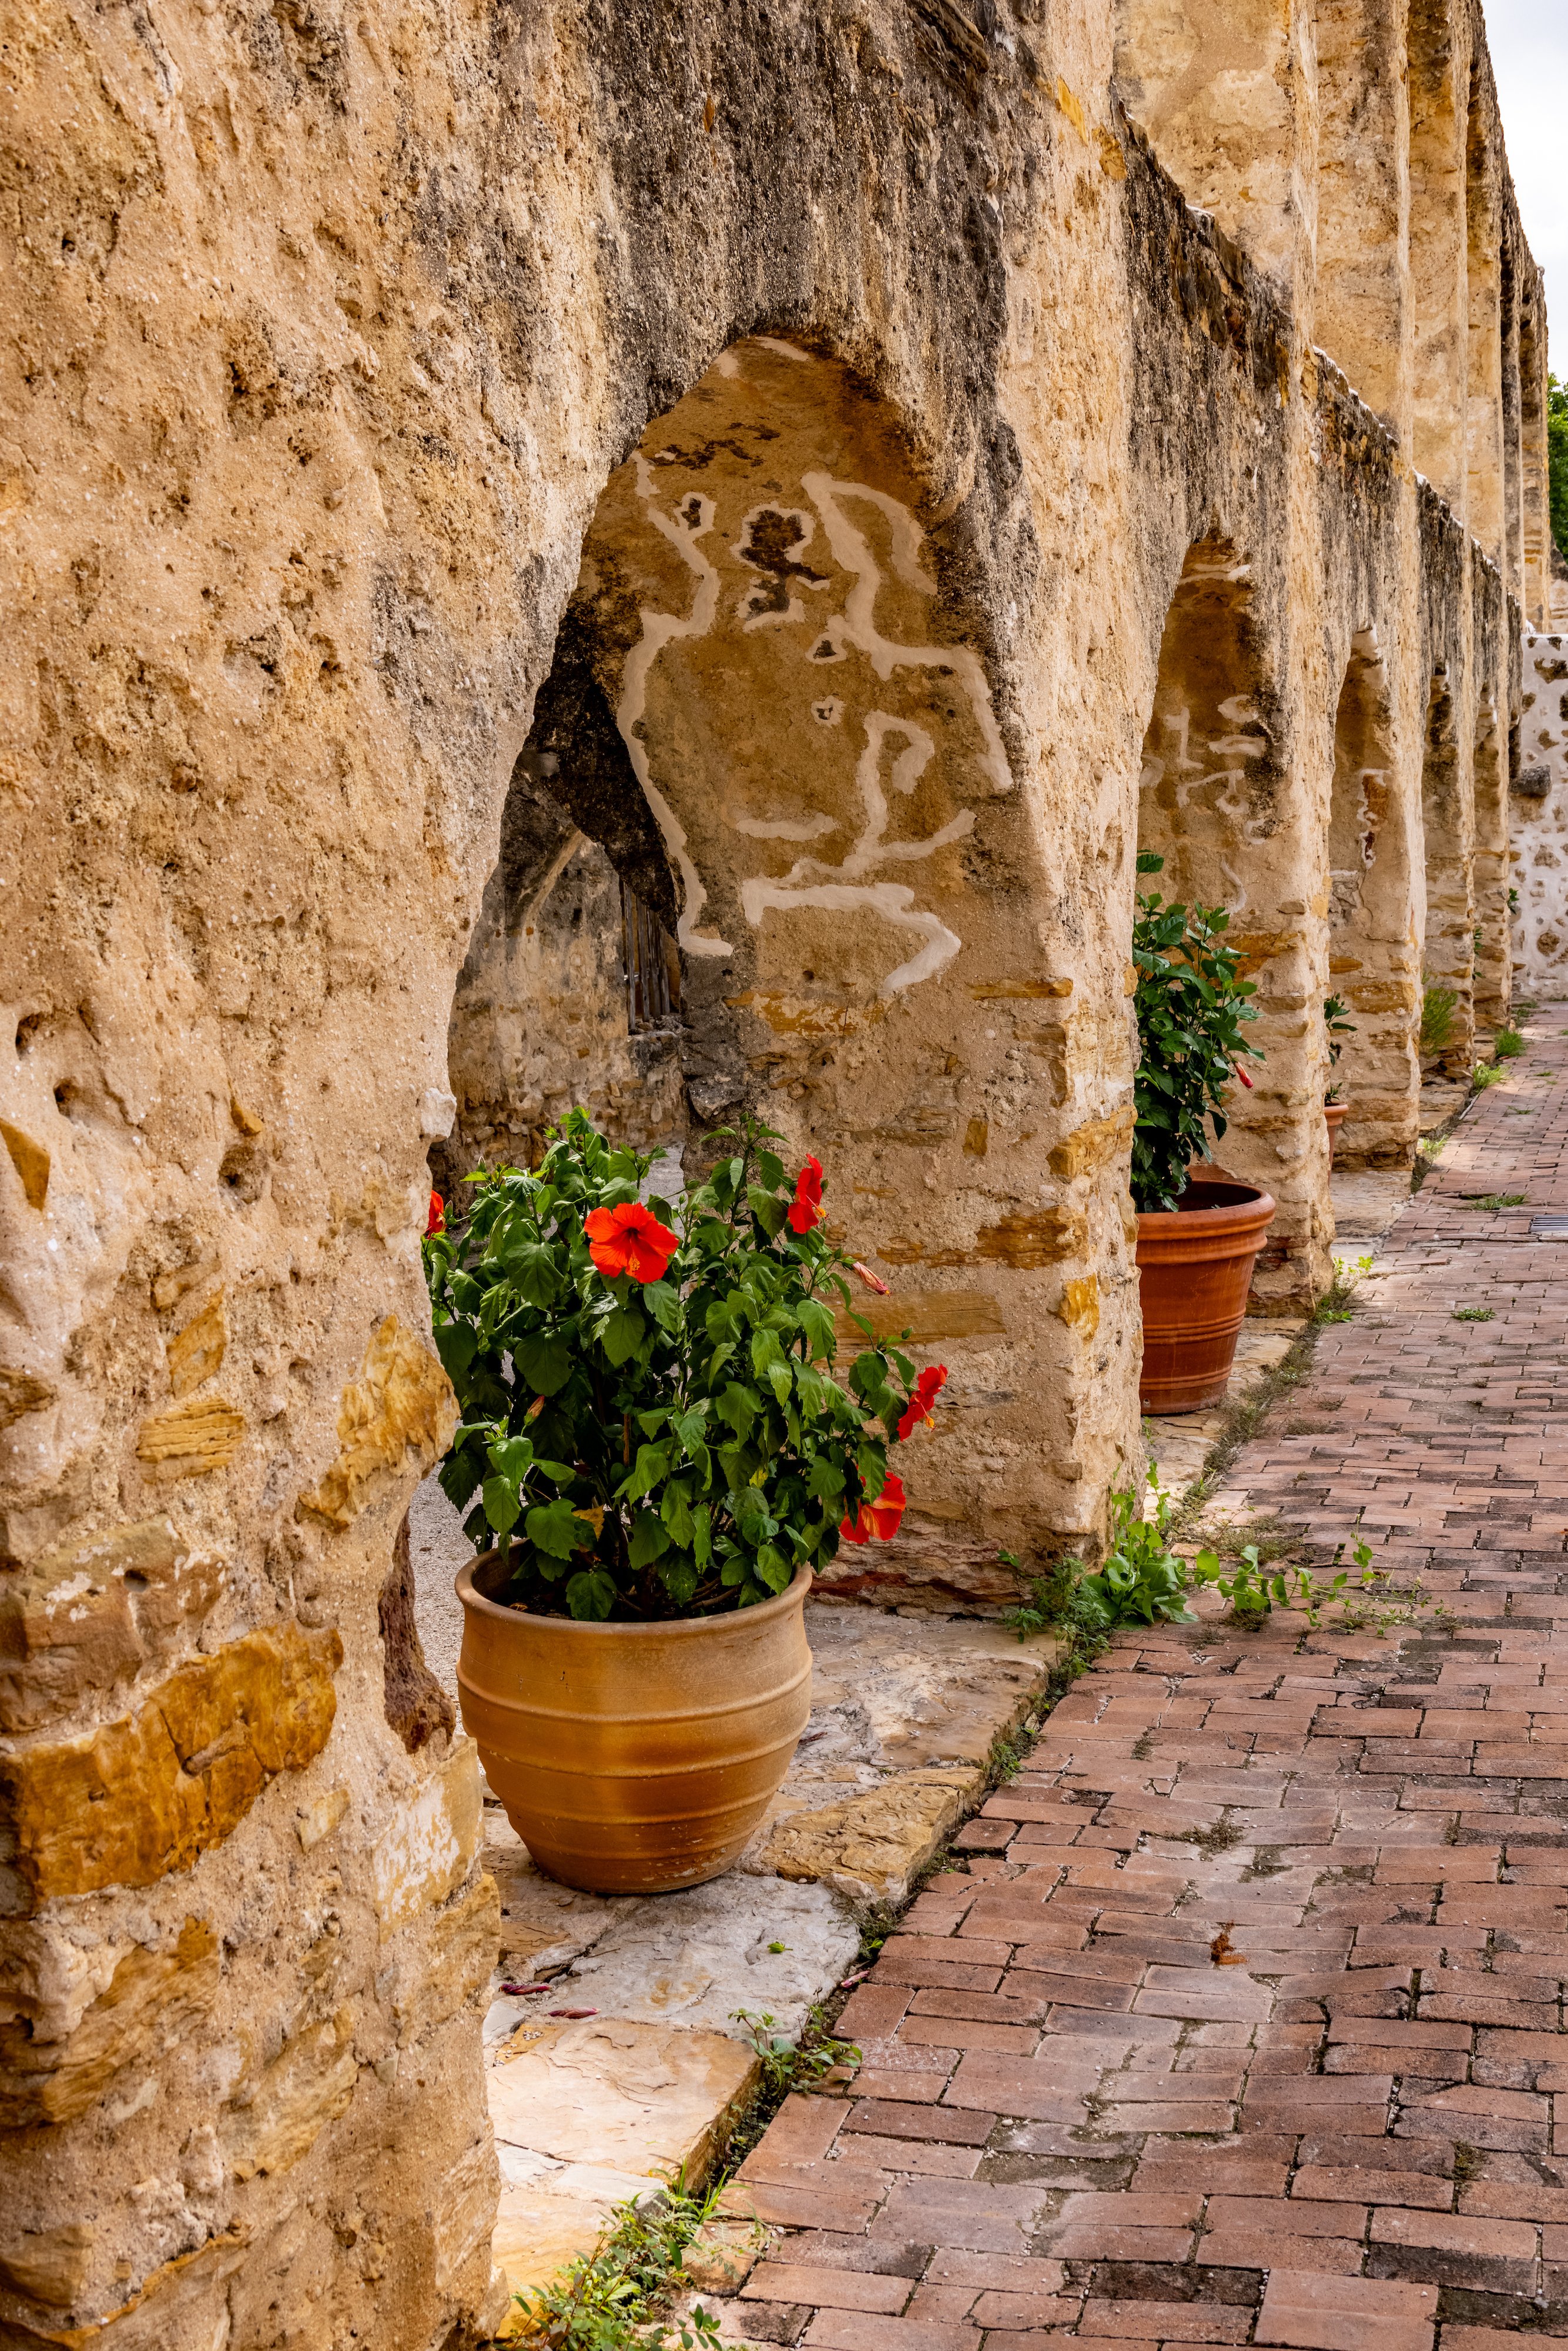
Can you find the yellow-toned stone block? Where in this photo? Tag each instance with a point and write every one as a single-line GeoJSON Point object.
{"type": "Point", "coordinates": [401, 1403]}
{"type": "Point", "coordinates": [31, 1162]}
{"type": "Point", "coordinates": [1092, 1146]}
{"type": "Point", "coordinates": [196, 1352]}
{"type": "Point", "coordinates": [654, 2100]}
{"type": "Point", "coordinates": [191, 1440]}
{"type": "Point", "coordinates": [138, 1798]}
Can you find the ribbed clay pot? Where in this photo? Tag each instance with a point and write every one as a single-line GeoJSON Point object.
{"type": "Point", "coordinates": [632, 1759]}
{"type": "Point", "coordinates": [1195, 1268]}
{"type": "Point", "coordinates": [1335, 1114]}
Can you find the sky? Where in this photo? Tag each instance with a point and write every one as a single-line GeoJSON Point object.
{"type": "Point", "coordinates": [1529, 41]}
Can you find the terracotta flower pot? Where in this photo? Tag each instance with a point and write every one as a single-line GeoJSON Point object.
{"type": "Point", "coordinates": [1195, 1267]}
{"type": "Point", "coordinates": [1335, 1113]}
{"type": "Point", "coordinates": [632, 1759]}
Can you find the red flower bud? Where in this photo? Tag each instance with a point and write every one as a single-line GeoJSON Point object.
{"type": "Point", "coordinates": [872, 1281]}
{"type": "Point", "coordinates": [436, 1220]}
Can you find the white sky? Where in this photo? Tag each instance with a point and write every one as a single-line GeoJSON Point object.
{"type": "Point", "coordinates": [1529, 40]}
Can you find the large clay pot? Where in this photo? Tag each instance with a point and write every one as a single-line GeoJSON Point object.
{"type": "Point", "coordinates": [1195, 1268]}
{"type": "Point", "coordinates": [632, 1759]}
{"type": "Point", "coordinates": [1335, 1114]}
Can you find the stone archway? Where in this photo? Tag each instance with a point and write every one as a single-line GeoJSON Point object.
{"type": "Point", "coordinates": [1216, 802]}
{"type": "Point", "coordinates": [1447, 837]}
{"type": "Point", "coordinates": [1373, 964]}
{"type": "Point", "coordinates": [770, 726]}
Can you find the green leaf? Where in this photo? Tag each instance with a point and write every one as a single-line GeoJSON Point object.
{"type": "Point", "coordinates": [773, 1569]}
{"type": "Point", "coordinates": [739, 1406]}
{"type": "Point", "coordinates": [675, 1509]}
{"type": "Point", "coordinates": [545, 1360]}
{"type": "Point", "coordinates": [503, 1505]}
{"type": "Point", "coordinates": [648, 1540]}
{"type": "Point", "coordinates": [622, 1333]}
{"type": "Point", "coordinates": [652, 1468]}
{"type": "Point", "coordinates": [590, 1593]}
{"type": "Point", "coordinates": [534, 1270]}
{"type": "Point", "coordinates": [456, 1343]}
{"type": "Point", "coordinates": [553, 1527]}
{"type": "Point", "coordinates": [824, 1478]}
{"type": "Point", "coordinates": [768, 1211]}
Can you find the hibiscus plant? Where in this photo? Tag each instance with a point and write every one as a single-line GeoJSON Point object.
{"type": "Point", "coordinates": [1190, 1004]}
{"type": "Point", "coordinates": [651, 1423]}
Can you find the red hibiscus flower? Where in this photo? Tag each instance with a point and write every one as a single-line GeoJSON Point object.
{"type": "Point", "coordinates": [806, 1208]}
{"type": "Point", "coordinates": [927, 1388]}
{"type": "Point", "coordinates": [872, 1281]}
{"type": "Point", "coordinates": [879, 1518]}
{"type": "Point", "coordinates": [628, 1239]}
{"type": "Point", "coordinates": [435, 1221]}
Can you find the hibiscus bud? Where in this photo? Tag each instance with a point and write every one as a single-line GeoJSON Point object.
{"type": "Point", "coordinates": [871, 1279]}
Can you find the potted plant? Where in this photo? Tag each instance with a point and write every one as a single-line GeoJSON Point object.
{"type": "Point", "coordinates": [1339, 1026]}
{"type": "Point", "coordinates": [1198, 1236]}
{"type": "Point", "coordinates": [653, 1455]}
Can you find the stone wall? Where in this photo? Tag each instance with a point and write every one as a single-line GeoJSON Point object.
{"type": "Point", "coordinates": [1538, 865]}
{"type": "Point", "coordinates": [867, 397]}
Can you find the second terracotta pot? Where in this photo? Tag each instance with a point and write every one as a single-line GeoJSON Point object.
{"type": "Point", "coordinates": [1194, 1268]}
{"type": "Point", "coordinates": [634, 1759]}
{"type": "Point", "coordinates": [1334, 1114]}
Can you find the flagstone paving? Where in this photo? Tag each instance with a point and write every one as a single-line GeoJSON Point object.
{"type": "Point", "coordinates": [1237, 2017]}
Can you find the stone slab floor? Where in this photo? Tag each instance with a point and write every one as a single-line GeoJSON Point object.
{"type": "Point", "coordinates": [1236, 2018]}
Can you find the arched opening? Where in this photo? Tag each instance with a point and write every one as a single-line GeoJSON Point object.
{"type": "Point", "coordinates": [1447, 1038]}
{"type": "Point", "coordinates": [1372, 958]}
{"type": "Point", "coordinates": [763, 851]}
{"type": "Point", "coordinates": [1215, 802]}
{"type": "Point", "coordinates": [1362, 208]}
{"type": "Point", "coordinates": [1440, 320]}
{"type": "Point", "coordinates": [1534, 471]}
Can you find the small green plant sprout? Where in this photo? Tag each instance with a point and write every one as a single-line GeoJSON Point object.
{"type": "Point", "coordinates": [793, 2064]}
{"type": "Point", "coordinates": [1339, 1026]}
{"type": "Point", "coordinates": [1485, 1074]}
{"type": "Point", "coordinates": [1471, 1314]}
{"type": "Point", "coordinates": [1507, 1045]}
{"type": "Point", "coordinates": [778, 1946]}
{"type": "Point", "coordinates": [1255, 1590]}
{"type": "Point", "coordinates": [619, 2297]}
{"type": "Point", "coordinates": [1438, 1006]}
{"type": "Point", "coordinates": [1488, 1203]}
{"type": "Point", "coordinates": [1514, 901]}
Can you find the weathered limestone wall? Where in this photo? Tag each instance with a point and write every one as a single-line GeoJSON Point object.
{"type": "Point", "coordinates": [1538, 867]}
{"type": "Point", "coordinates": [341, 358]}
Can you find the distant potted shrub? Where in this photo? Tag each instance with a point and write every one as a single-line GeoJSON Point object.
{"type": "Point", "coordinates": [1198, 1236]}
{"type": "Point", "coordinates": [654, 1455]}
{"type": "Point", "coordinates": [1338, 1024]}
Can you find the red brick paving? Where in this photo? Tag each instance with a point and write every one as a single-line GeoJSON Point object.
{"type": "Point", "coordinates": [1071, 2125]}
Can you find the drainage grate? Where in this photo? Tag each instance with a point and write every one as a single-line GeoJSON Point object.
{"type": "Point", "coordinates": [1548, 1228]}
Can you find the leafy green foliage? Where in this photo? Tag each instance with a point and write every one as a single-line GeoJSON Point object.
{"type": "Point", "coordinates": [1507, 1045]}
{"type": "Point", "coordinates": [1472, 1314]}
{"type": "Point", "coordinates": [1557, 460]}
{"type": "Point", "coordinates": [1191, 1005]}
{"type": "Point", "coordinates": [656, 1447]}
{"type": "Point", "coordinates": [1141, 1580]}
{"type": "Point", "coordinates": [616, 2298]}
{"type": "Point", "coordinates": [1438, 1006]}
{"type": "Point", "coordinates": [1490, 1202]}
{"type": "Point", "coordinates": [1339, 1026]}
{"type": "Point", "coordinates": [1485, 1074]}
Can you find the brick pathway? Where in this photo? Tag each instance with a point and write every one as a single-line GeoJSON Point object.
{"type": "Point", "coordinates": [1072, 2125]}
